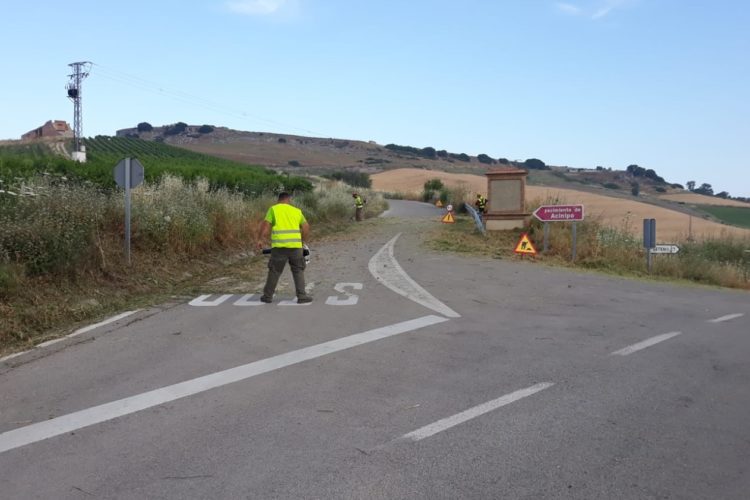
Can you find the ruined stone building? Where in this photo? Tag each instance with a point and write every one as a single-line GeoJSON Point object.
{"type": "Point", "coordinates": [53, 128]}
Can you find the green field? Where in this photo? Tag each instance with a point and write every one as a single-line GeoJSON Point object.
{"type": "Point", "coordinates": [103, 153]}
{"type": "Point", "coordinates": [736, 216]}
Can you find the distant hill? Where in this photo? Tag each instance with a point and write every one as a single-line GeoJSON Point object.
{"type": "Point", "coordinates": [313, 155]}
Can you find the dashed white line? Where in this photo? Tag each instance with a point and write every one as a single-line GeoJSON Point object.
{"type": "Point", "coordinates": [646, 343]}
{"type": "Point", "coordinates": [459, 418]}
{"type": "Point", "coordinates": [728, 317]}
{"type": "Point", "coordinates": [67, 423]}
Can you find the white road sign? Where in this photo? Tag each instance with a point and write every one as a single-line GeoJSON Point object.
{"type": "Point", "coordinates": [665, 249]}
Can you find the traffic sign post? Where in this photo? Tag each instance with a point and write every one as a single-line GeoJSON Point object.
{"type": "Point", "coordinates": [649, 240]}
{"type": "Point", "coordinates": [128, 174]}
{"type": "Point", "coordinates": [559, 213]}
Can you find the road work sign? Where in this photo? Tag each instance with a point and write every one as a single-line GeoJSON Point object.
{"type": "Point", "coordinates": [525, 246]}
{"type": "Point", "coordinates": [665, 249]}
{"type": "Point", "coordinates": [439, 204]}
{"type": "Point", "coordinates": [448, 218]}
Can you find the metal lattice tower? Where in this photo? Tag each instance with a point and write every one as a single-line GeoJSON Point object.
{"type": "Point", "coordinates": [80, 71]}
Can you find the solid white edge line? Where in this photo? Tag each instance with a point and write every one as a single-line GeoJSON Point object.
{"type": "Point", "coordinates": [726, 318]}
{"type": "Point", "coordinates": [6, 358]}
{"type": "Point", "coordinates": [77, 332]}
{"type": "Point", "coordinates": [108, 411]}
{"type": "Point", "coordinates": [459, 418]}
{"type": "Point", "coordinates": [646, 343]}
{"type": "Point", "coordinates": [102, 323]}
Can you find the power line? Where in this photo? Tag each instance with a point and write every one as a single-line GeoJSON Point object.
{"type": "Point", "coordinates": [153, 87]}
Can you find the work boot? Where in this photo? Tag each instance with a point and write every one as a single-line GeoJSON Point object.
{"type": "Point", "coordinates": [265, 299]}
{"type": "Point", "coordinates": [305, 299]}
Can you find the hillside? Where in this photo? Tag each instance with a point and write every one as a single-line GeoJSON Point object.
{"type": "Point", "coordinates": [311, 155]}
{"type": "Point", "coordinates": [624, 213]}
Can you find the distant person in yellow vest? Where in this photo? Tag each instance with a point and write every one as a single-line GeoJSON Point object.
{"type": "Point", "coordinates": [359, 204]}
{"type": "Point", "coordinates": [289, 230]}
{"type": "Point", "coordinates": [481, 203]}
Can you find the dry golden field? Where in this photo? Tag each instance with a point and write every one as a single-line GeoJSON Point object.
{"type": "Point", "coordinates": [699, 199]}
{"type": "Point", "coordinates": [672, 226]}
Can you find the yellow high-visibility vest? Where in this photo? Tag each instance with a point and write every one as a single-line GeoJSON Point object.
{"type": "Point", "coordinates": [285, 223]}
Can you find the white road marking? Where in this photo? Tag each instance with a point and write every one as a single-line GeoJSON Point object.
{"type": "Point", "coordinates": [459, 418]}
{"type": "Point", "coordinates": [726, 318]}
{"type": "Point", "coordinates": [350, 300]}
{"type": "Point", "coordinates": [646, 343]}
{"type": "Point", "coordinates": [386, 269]}
{"type": "Point", "coordinates": [293, 302]}
{"type": "Point", "coordinates": [102, 323]}
{"type": "Point", "coordinates": [6, 358]}
{"type": "Point", "coordinates": [77, 332]}
{"type": "Point", "coordinates": [67, 423]}
{"type": "Point", "coordinates": [203, 301]}
{"type": "Point", "coordinates": [245, 300]}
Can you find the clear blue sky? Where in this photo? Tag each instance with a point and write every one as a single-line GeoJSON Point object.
{"type": "Point", "coordinates": [660, 83]}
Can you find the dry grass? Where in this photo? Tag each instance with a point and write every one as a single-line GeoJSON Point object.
{"type": "Point", "coordinates": [619, 213]}
{"type": "Point", "coordinates": [62, 259]}
{"type": "Point", "coordinates": [700, 199]}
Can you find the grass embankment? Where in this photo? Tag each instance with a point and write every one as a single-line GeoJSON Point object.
{"type": "Point", "coordinates": [61, 246]}
{"type": "Point", "coordinates": [737, 216]}
{"type": "Point", "coordinates": [723, 262]}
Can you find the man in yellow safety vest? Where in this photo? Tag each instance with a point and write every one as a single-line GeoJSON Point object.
{"type": "Point", "coordinates": [481, 203]}
{"type": "Point", "coordinates": [359, 205]}
{"type": "Point", "coordinates": [288, 229]}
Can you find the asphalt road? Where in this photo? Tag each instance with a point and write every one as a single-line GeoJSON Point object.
{"type": "Point", "coordinates": [413, 374]}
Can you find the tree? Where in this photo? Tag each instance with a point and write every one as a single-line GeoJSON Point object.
{"type": "Point", "coordinates": [705, 189]}
{"type": "Point", "coordinates": [635, 170]}
{"type": "Point", "coordinates": [635, 189]}
{"type": "Point", "coordinates": [723, 194]}
{"type": "Point", "coordinates": [535, 164]}
{"type": "Point", "coordinates": [205, 129]}
{"type": "Point", "coordinates": [690, 186]}
{"type": "Point", "coordinates": [145, 127]}
{"type": "Point", "coordinates": [483, 158]}
{"type": "Point", "coordinates": [429, 152]}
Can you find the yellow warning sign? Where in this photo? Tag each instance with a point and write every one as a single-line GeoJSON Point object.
{"type": "Point", "coordinates": [448, 218]}
{"type": "Point", "coordinates": [525, 246]}
{"type": "Point", "coordinates": [439, 204]}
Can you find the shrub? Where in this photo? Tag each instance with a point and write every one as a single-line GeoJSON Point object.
{"type": "Point", "coordinates": [660, 189]}
{"type": "Point", "coordinates": [353, 178]}
{"type": "Point", "coordinates": [433, 185]}
{"type": "Point", "coordinates": [145, 127]}
{"type": "Point", "coordinates": [205, 129]}
{"type": "Point", "coordinates": [635, 189]}
{"type": "Point", "coordinates": [611, 185]}
{"type": "Point", "coordinates": [294, 163]}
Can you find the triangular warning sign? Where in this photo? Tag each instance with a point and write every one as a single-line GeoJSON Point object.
{"type": "Point", "coordinates": [525, 246]}
{"type": "Point", "coordinates": [439, 204]}
{"type": "Point", "coordinates": [448, 218]}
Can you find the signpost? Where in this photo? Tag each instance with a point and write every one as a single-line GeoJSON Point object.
{"type": "Point", "coordinates": [128, 174]}
{"type": "Point", "coordinates": [649, 240]}
{"type": "Point", "coordinates": [559, 213]}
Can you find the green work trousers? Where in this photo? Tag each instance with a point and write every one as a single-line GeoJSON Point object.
{"type": "Point", "coordinates": [279, 258]}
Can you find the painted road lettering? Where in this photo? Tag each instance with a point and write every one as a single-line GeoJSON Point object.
{"type": "Point", "coordinates": [345, 298]}
{"type": "Point", "coordinates": [350, 300]}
